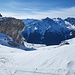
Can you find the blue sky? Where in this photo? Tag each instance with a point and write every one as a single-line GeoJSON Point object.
{"type": "Point", "coordinates": [37, 8]}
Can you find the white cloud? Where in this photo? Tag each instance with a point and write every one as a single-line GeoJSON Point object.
{"type": "Point", "coordinates": [63, 13]}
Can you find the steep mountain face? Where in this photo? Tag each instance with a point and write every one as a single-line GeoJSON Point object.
{"type": "Point", "coordinates": [12, 27]}
{"type": "Point", "coordinates": [49, 31]}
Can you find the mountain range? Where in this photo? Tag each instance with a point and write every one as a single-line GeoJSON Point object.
{"type": "Point", "coordinates": [45, 31]}
{"type": "Point", "coordinates": [48, 31]}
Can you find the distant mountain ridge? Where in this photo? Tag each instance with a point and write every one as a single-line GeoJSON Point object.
{"type": "Point", "coordinates": [49, 31]}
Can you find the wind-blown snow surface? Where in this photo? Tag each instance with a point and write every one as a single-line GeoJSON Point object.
{"type": "Point", "coordinates": [50, 60]}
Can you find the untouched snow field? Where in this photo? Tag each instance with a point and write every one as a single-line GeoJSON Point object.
{"type": "Point", "coordinates": [48, 60]}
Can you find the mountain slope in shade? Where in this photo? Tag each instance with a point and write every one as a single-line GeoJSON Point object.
{"type": "Point", "coordinates": [49, 60]}
{"type": "Point", "coordinates": [8, 41]}
{"type": "Point", "coordinates": [49, 31]}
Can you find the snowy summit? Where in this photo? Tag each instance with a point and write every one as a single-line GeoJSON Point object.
{"type": "Point", "coordinates": [50, 60]}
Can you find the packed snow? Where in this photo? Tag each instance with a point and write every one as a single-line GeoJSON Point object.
{"type": "Point", "coordinates": [46, 60]}
{"type": "Point", "coordinates": [35, 46]}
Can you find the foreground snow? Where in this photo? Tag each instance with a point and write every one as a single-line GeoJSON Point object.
{"type": "Point", "coordinates": [50, 60]}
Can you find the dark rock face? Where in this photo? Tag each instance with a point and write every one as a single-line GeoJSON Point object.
{"type": "Point", "coordinates": [12, 27]}
{"type": "Point", "coordinates": [51, 38]}
{"type": "Point", "coordinates": [0, 15]}
{"type": "Point", "coordinates": [35, 36]}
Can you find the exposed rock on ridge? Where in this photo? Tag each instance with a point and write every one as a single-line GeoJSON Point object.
{"type": "Point", "coordinates": [12, 27]}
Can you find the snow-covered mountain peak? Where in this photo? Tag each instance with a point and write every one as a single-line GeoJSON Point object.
{"type": "Point", "coordinates": [57, 19]}
{"type": "Point", "coordinates": [70, 20]}
{"type": "Point", "coordinates": [47, 19]}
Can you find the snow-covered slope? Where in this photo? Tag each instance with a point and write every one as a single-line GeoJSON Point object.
{"type": "Point", "coordinates": [49, 60]}
{"type": "Point", "coordinates": [4, 39]}
{"type": "Point", "coordinates": [8, 41]}
{"type": "Point", "coordinates": [35, 46]}
{"type": "Point", "coordinates": [49, 31]}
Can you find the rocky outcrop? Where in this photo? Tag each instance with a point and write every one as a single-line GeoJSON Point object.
{"type": "Point", "coordinates": [0, 15]}
{"type": "Point", "coordinates": [12, 27]}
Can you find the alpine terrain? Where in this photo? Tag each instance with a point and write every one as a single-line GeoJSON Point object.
{"type": "Point", "coordinates": [49, 31]}
{"type": "Point", "coordinates": [31, 56]}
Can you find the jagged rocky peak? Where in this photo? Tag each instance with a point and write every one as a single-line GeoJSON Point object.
{"type": "Point", "coordinates": [47, 19]}
{"type": "Point", "coordinates": [0, 15]}
{"type": "Point", "coordinates": [70, 20]}
{"type": "Point", "coordinates": [12, 27]}
{"type": "Point", "coordinates": [57, 19]}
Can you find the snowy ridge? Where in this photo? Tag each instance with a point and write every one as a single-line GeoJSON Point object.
{"type": "Point", "coordinates": [4, 39]}
{"type": "Point", "coordinates": [49, 60]}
